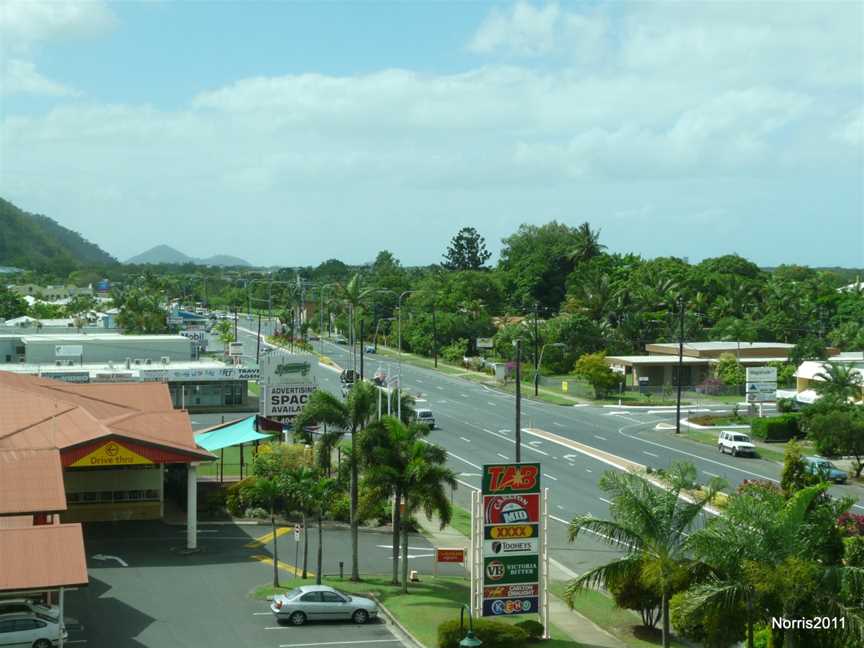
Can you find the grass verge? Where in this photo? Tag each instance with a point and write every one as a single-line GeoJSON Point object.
{"type": "Point", "coordinates": [426, 606]}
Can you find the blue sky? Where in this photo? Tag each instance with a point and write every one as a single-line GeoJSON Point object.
{"type": "Point", "coordinates": [295, 132]}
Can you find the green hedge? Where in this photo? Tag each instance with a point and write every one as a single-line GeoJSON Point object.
{"type": "Point", "coordinates": [493, 634]}
{"type": "Point", "coordinates": [776, 428]}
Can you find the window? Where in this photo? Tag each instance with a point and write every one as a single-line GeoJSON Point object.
{"type": "Point", "coordinates": [332, 597]}
{"type": "Point", "coordinates": [311, 597]}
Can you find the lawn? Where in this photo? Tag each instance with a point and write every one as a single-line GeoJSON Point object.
{"type": "Point", "coordinates": [426, 606]}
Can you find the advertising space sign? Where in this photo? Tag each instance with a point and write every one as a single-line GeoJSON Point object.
{"type": "Point", "coordinates": [511, 518]}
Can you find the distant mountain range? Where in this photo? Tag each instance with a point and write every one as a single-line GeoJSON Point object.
{"type": "Point", "coordinates": [167, 254]}
{"type": "Point", "coordinates": [36, 242]}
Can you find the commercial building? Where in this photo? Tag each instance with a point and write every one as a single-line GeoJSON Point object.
{"type": "Point", "coordinates": [660, 367]}
{"type": "Point", "coordinates": [115, 443]}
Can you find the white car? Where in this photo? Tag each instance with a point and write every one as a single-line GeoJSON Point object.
{"type": "Point", "coordinates": [735, 443]}
{"type": "Point", "coordinates": [28, 629]}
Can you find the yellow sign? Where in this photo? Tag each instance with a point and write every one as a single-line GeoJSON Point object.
{"type": "Point", "coordinates": [111, 454]}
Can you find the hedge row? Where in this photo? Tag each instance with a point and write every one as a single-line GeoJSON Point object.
{"type": "Point", "coordinates": [776, 428]}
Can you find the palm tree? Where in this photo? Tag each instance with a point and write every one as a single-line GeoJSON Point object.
{"type": "Point", "coordinates": [298, 485]}
{"type": "Point", "coordinates": [321, 494]}
{"type": "Point", "coordinates": [269, 489]}
{"type": "Point", "coordinates": [401, 463]}
{"type": "Point", "coordinates": [322, 408]}
{"type": "Point", "coordinates": [840, 381]}
{"type": "Point", "coordinates": [361, 405]}
{"type": "Point", "coordinates": [587, 245]}
{"type": "Point", "coordinates": [650, 524]}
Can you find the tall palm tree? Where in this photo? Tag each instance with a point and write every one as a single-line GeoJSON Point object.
{"type": "Point", "coordinates": [299, 483]}
{"type": "Point", "coordinates": [362, 405]}
{"type": "Point", "coordinates": [321, 494]}
{"type": "Point", "coordinates": [650, 525]}
{"type": "Point", "coordinates": [587, 245]}
{"type": "Point", "coordinates": [269, 489]}
{"type": "Point", "coordinates": [401, 463]}
{"type": "Point", "coordinates": [840, 381]}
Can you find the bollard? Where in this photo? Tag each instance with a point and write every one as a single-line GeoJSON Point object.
{"type": "Point", "coordinates": [341, 570]}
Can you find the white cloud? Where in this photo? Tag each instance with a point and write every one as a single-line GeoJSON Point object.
{"type": "Point", "coordinates": [21, 77]}
{"type": "Point", "coordinates": [24, 23]}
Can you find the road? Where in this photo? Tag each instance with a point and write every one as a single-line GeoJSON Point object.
{"type": "Point", "coordinates": [475, 425]}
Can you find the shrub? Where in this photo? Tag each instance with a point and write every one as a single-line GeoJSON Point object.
{"type": "Point", "coordinates": [776, 428]}
{"type": "Point", "coordinates": [493, 634]}
{"type": "Point", "coordinates": [532, 628]}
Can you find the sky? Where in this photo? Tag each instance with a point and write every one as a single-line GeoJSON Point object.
{"type": "Point", "coordinates": [288, 133]}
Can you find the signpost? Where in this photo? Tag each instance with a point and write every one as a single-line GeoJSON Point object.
{"type": "Point", "coordinates": [509, 539]}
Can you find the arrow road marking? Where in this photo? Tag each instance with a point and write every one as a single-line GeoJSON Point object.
{"type": "Point", "coordinates": [122, 562]}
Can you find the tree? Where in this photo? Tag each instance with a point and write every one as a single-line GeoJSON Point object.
{"type": "Point", "coordinates": [795, 476]}
{"type": "Point", "coordinates": [592, 367]}
{"type": "Point", "coordinates": [839, 381]}
{"type": "Point", "coordinates": [401, 463]}
{"type": "Point", "coordinates": [650, 525]}
{"type": "Point", "coordinates": [467, 251]}
{"type": "Point", "coordinates": [12, 305]}
{"type": "Point", "coordinates": [587, 245]}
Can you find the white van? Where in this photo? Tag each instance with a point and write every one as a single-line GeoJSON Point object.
{"type": "Point", "coordinates": [735, 443]}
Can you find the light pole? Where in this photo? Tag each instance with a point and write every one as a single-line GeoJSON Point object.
{"type": "Point", "coordinates": [540, 363]}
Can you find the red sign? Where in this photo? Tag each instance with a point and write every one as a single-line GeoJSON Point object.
{"type": "Point", "coordinates": [511, 509]}
{"type": "Point", "coordinates": [509, 478]}
{"type": "Point", "coordinates": [449, 555]}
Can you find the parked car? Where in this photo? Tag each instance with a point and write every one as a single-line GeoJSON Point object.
{"type": "Point", "coordinates": [735, 443]}
{"type": "Point", "coordinates": [29, 629]}
{"type": "Point", "coordinates": [321, 603]}
{"type": "Point", "coordinates": [425, 416]}
{"type": "Point", "coordinates": [825, 469]}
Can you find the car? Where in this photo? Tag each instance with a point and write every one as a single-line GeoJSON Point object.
{"type": "Point", "coordinates": [425, 416]}
{"type": "Point", "coordinates": [735, 443]}
{"type": "Point", "coordinates": [321, 603]}
{"type": "Point", "coordinates": [29, 629]}
{"type": "Point", "coordinates": [823, 468]}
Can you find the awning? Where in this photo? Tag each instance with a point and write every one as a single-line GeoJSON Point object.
{"type": "Point", "coordinates": [230, 434]}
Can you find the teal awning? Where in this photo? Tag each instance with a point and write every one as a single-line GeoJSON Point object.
{"type": "Point", "coordinates": [230, 434]}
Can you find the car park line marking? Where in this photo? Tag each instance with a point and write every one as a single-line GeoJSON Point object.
{"type": "Point", "coordinates": [651, 454]}
{"type": "Point", "coordinates": [465, 440]}
{"type": "Point", "coordinates": [268, 537]}
{"type": "Point", "coordinates": [291, 569]}
{"type": "Point", "coordinates": [337, 643]}
{"type": "Point", "coordinates": [547, 476]}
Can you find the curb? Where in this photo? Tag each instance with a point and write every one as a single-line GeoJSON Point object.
{"type": "Point", "coordinates": [392, 619]}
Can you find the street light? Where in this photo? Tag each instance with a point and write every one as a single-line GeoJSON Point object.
{"type": "Point", "coordinates": [470, 640]}
{"type": "Point", "coordinates": [540, 363]}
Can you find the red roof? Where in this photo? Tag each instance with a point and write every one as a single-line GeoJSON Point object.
{"type": "Point", "coordinates": [31, 481]}
{"type": "Point", "coordinates": [45, 557]}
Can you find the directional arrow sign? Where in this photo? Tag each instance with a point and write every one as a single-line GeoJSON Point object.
{"type": "Point", "coordinates": [104, 557]}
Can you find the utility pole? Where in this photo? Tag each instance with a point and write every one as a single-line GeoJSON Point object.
{"type": "Point", "coordinates": [434, 337]}
{"type": "Point", "coordinates": [518, 344]}
{"type": "Point", "coordinates": [680, 364]}
{"type": "Point", "coordinates": [536, 349]}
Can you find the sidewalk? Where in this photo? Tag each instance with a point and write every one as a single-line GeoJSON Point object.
{"type": "Point", "coordinates": [579, 628]}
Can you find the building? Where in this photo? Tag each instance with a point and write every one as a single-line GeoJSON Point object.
{"type": "Point", "coordinates": [660, 366]}
{"type": "Point", "coordinates": [115, 443]}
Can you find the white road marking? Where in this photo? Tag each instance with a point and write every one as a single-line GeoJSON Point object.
{"type": "Point", "coordinates": [550, 477]}
{"type": "Point", "coordinates": [651, 454]}
{"type": "Point", "coordinates": [465, 440]}
{"type": "Point", "coordinates": [597, 436]}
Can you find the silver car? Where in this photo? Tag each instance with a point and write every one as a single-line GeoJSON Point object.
{"type": "Point", "coordinates": [321, 603]}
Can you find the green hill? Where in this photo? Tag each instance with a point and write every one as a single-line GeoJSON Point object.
{"type": "Point", "coordinates": [36, 242]}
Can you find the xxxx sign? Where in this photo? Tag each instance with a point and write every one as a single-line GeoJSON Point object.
{"type": "Point", "coordinates": [500, 479]}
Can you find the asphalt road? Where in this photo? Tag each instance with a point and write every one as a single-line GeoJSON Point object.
{"type": "Point", "coordinates": [475, 425]}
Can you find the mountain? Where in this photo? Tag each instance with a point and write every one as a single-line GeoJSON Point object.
{"type": "Point", "coordinates": [36, 242]}
{"type": "Point", "coordinates": [167, 254]}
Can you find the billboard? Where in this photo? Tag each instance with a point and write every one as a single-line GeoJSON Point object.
{"type": "Point", "coordinates": [285, 400]}
{"type": "Point", "coordinates": [510, 509]}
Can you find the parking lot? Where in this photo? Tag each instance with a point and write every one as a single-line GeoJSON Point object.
{"type": "Point", "coordinates": [146, 591]}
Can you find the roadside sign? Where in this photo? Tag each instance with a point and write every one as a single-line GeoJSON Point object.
{"type": "Point", "coordinates": [297, 530]}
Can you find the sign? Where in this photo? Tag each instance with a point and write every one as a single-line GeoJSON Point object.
{"type": "Point", "coordinates": [511, 547]}
{"type": "Point", "coordinates": [449, 555]}
{"type": "Point", "coordinates": [235, 349]}
{"type": "Point", "coordinates": [511, 569]}
{"type": "Point", "coordinates": [499, 479]}
{"type": "Point", "coordinates": [111, 454]}
{"type": "Point", "coordinates": [285, 400]}
{"type": "Point", "coordinates": [510, 509]}
{"type": "Point", "coordinates": [297, 530]}
{"type": "Point", "coordinates": [484, 343]}
{"type": "Point", "coordinates": [762, 374]}
{"type": "Point", "coordinates": [279, 368]}
{"type": "Point", "coordinates": [68, 350]}
{"type": "Point", "coordinates": [200, 374]}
